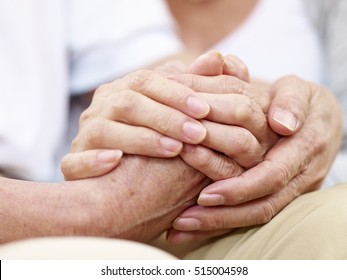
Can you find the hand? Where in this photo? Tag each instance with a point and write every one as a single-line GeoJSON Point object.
{"type": "Point", "coordinates": [236, 124]}
{"type": "Point", "coordinates": [136, 115]}
{"type": "Point", "coordinates": [138, 201]}
{"type": "Point", "coordinates": [99, 128]}
{"type": "Point", "coordinates": [295, 165]}
{"type": "Point", "coordinates": [140, 108]}
{"type": "Point", "coordinates": [144, 195]}
{"type": "Point", "coordinates": [90, 163]}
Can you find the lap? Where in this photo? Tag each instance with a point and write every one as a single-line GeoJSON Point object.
{"type": "Point", "coordinates": [314, 226]}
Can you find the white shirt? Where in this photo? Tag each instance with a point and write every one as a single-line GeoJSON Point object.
{"type": "Point", "coordinates": [106, 39]}
{"type": "Point", "coordinates": [33, 81]}
{"type": "Point", "coordinates": [101, 37]}
{"type": "Point", "coordinates": [277, 39]}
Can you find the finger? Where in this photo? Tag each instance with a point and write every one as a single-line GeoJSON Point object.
{"type": "Point", "coordinates": [108, 134]}
{"type": "Point", "coordinates": [172, 67]}
{"type": "Point", "coordinates": [224, 84]}
{"type": "Point", "coordinates": [90, 163]}
{"type": "Point", "coordinates": [214, 165]}
{"type": "Point", "coordinates": [198, 218]}
{"type": "Point", "coordinates": [179, 237]}
{"type": "Point", "coordinates": [166, 91]}
{"type": "Point", "coordinates": [213, 63]}
{"type": "Point", "coordinates": [240, 110]}
{"type": "Point", "coordinates": [261, 180]}
{"type": "Point", "coordinates": [259, 211]}
{"type": "Point", "coordinates": [234, 66]}
{"type": "Point", "coordinates": [235, 142]}
{"type": "Point", "coordinates": [288, 109]}
{"type": "Point", "coordinates": [139, 110]}
{"type": "Point", "coordinates": [208, 64]}
{"type": "Point", "coordinates": [282, 163]}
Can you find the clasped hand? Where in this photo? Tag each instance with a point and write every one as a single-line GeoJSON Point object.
{"type": "Point", "coordinates": [259, 149]}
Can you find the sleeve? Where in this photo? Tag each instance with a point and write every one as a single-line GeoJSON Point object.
{"type": "Point", "coordinates": [335, 37]}
{"type": "Point", "coordinates": [33, 90]}
{"type": "Point", "coordinates": [330, 19]}
{"type": "Point", "coordinates": [109, 39]}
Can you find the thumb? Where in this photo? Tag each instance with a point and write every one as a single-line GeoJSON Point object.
{"type": "Point", "coordinates": [90, 163]}
{"type": "Point", "coordinates": [290, 105]}
{"type": "Point", "coordinates": [207, 64]}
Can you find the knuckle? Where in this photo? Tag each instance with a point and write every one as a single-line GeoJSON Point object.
{"type": "Point", "coordinates": [140, 79]}
{"type": "Point", "coordinates": [266, 212]}
{"type": "Point", "coordinates": [254, 156]}
{"type": "Point", "coordinates": [245, 112]}
{"type": "Point", "coordinates": [202, 158]}
{"type": "Point", "coordinates": [244, 143]}
{"type": "Point", "coordinates": [193, 81]}
{"type": "Point", "coordinates": [148, 140]}
{"type": "Point", "coordinates": [93, 133]}
{"type": "Point", "coordinates": [103, 90]}
{"type": "Point", "coordinates": [75, 144]}
{"type": "Point", "coordinates": [216, 222]}
{"type": "Point", "coordinates": [230, 84]}
{"type": "Point", "coordinates": [122, 104]}
{"type": "Point", "coordinates": [249, 152]}
{"type": "Point", "coordinates": [65, 166]}
{"type": "Point", "coordinates": [281, 176]}
{"type": "Point", "coordinates": [261, 213]}
{"type": "Point", "coordinates": [165, 121]}
{"type": "Point", "coordinates": [219, 166]}
{"type": "Point", "coordinates": [224, 167]}
{"type": "Point", "coordinates": [86, 115]}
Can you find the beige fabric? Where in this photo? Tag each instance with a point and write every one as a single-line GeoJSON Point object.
{"type": "Point", "coordinates": [80, 248]}
{"type": "Point", "coordinates": [314, 226]}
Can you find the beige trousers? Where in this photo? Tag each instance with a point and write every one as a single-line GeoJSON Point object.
{"type": "Point", "coordinates": [314, 226]}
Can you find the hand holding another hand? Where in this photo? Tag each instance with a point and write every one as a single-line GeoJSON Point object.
{"type": "Point", "coordinates": [255, 172]}
{"type": "Point", "coordinates": [294, 165]}
{"type": "Point", "coordinates": [147, 114]}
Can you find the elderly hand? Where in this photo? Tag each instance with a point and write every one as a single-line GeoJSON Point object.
{"type": "Point", "coordinates": [294, 165]}
{"type": "Point", "coordinates": [142, 113]}
{"type": "Point", "coordinates": [236, 124]}
{"type": "Point", "coordinates": [146, 114]}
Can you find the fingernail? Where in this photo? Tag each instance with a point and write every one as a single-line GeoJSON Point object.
{"type": "Point", "coordinates": [108, 156]}
{"type": "Point", "coordinates": [198, 107]}
{"type": "Point", "coordinates": [170, 144]}
{"type": "Point", "coordinates": [285, 118]}
{"type": "Point", "coordinates": [215, 52]}
{"type": "Point", "coordinates": [186, 224]}
{"type": "Point", "coordinates": [194, 131]}
{"type": "Point", "coordinates": [208, 54]}
{"type": "Point", "coordinates": [206, 199]}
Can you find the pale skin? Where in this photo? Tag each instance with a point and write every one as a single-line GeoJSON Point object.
{"type": "Point", "coordinates": [106, 206]}
{"type": "Point", "coordinates": [293, 164]}
{"type": "Point", "coordinates": [203, 23]}
{"type": "Point", "coordinates": [81, 212]}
